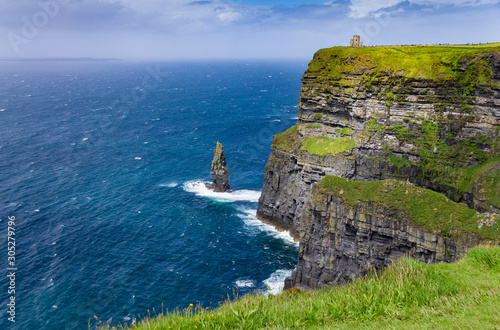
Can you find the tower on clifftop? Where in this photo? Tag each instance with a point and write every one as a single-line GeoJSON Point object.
{"type": "Point", "coordinates": [356, 41]}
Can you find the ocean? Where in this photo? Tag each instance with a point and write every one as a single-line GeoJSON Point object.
{"type": "Point", "coordinates": [102, 165]}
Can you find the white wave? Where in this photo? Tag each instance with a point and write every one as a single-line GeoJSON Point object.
{"type": "Point", "coordinates": [249, 217]}
{"type": "Point", "coordinates": [245, 283]}
{"type": "Point", "coordinates": [85, 139]}
{"type": "Point", "coordinates": [2, 110]}
{"type": "Point", "coordinates": [199, 188]}
{"type": "Point", "coordinates": [275, 282]}
{"type": "Point", "coordinates": [137, 158]}
{"type": "Point", "coordinates": [169, 184]}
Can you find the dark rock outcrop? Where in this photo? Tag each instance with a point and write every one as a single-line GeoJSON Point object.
{"type": "Point", "coordinates": [416, 127]}
{"type": "Point", "coordinates": [340, 242]}
{"type": "Point", "coordinates": [219, 171]}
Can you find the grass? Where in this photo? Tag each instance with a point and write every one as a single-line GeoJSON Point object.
{"type": "Point", "coordinates": [407, 294]}
{"type": "Point", "coordinates": [466, 165]}
{"type": "Point", "coordinates": [313, 125]}
{"type": "Point", "coordinates": [424, 207]}
{"type": "Point", "coordinates": [287, 140]}
{"type": "Point", "coordinates": [439, 63]}
{"type": "Point", "coordinates": [483, 178]}
{"type": "Point", "coordinates": [323, 146]}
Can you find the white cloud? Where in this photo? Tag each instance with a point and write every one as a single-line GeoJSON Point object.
{"type": "Point", "coordinates": [188, 11]}
{"type": "Point", "coordinates": [230, 28]}
{"type": "Point", "coordinates": [361, 8]}
{"type": "Point", "coordinates": [455, 2]}
{"type": "Point", "coordinates": [228, 16]}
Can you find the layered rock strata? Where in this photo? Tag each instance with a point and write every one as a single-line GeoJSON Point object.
{"type": "Point", "coordinates": [414, 115]}
{"type": "Point", "coordinates": [352, 227]}
{"type": "Point", "coordinates": [219, 171]}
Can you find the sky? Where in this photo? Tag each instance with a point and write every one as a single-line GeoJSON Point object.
{"type": "Point", "coordinates": [233, 29]}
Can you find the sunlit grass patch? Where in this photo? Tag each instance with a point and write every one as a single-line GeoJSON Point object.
{"type": "Point", "coordinates": [323, 146]}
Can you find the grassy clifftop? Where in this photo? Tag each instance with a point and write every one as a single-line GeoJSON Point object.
{"type": "Point", "coordinates": [461, 64]}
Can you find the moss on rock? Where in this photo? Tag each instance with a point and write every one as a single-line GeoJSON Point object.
{"type": "Point", "coordinates": [426, 208]}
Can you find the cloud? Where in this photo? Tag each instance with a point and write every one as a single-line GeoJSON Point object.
{"type": "Point", "coordinates": [228, 16]}
{"type": "Point", "coordinates": [222, 28]}
{"type": "Point", "coordinates": [201, 15]}
{"type": "Point", "coordinates": [202, 3]}
{"type": "Point", "coordinates": [361, 8]}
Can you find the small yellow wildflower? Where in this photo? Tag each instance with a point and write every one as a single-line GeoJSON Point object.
{"type": "Point", "coordinates": [190, 305]}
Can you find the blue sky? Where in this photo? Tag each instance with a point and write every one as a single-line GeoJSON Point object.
{"type": "Point", "coordinates": [233, 29]}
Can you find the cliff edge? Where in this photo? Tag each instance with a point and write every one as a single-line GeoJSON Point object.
{"type": "Point", "coordinates": [396, 151]}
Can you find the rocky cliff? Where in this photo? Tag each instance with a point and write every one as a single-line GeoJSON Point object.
{"type": "Point", "coordinates": [425, 116]}
{"type": "Point", "coordinates": [219, 171]}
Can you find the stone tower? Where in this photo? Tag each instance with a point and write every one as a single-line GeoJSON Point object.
{"type": "Point", "coordinates": [356, 41]}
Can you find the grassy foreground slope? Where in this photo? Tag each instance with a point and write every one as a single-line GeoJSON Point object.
{"type": "Point", "coordinates": [408, 294]}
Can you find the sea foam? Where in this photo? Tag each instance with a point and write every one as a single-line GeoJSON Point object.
{"type": "Point", "coordinates": [169, 184]}
{"type": "Point", "coordinates": [199, 188]}
{"type": "Point", "coordinates": [245, 283]}
{"type": "Point", "coordinates": [275, 282]}
{"type": "Point", "coordinates": [249, 217]}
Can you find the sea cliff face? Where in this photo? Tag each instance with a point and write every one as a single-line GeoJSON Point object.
{"type": "Point", "coordinates": [426, 116]}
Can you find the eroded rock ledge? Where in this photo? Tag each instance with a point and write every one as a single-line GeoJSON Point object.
{"type": "Point", "coordinates": [348, 227]}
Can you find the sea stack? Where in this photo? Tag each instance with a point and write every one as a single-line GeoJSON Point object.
{"type": "Point", "coordinates": [219, 171]}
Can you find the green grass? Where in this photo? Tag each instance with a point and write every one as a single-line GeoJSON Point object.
{"type": "Point", "coordinates": [484, 178]}
{"type": "Point", "coordinates": [439, 63]}
{"type": "Point", "coordinates": [287, 140]}
{"type": "Point", "coordinates": [424, 207]}
{"type": "Point", "coordinates": [323, 146]}
{"type": "Point", "coordinates": [406, 295]}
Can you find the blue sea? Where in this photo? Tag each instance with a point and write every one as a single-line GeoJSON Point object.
{"type": "Point", "coordinates": [102, 165]}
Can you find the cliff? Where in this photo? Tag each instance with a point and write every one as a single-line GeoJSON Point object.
{"type": "Point", "coordinates": [219, 171]}
{"type": "Point", "coordinates": [425, 116]}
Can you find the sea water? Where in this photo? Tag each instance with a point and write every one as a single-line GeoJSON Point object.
{"type": "Point", "coordinates": [103, 165]}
